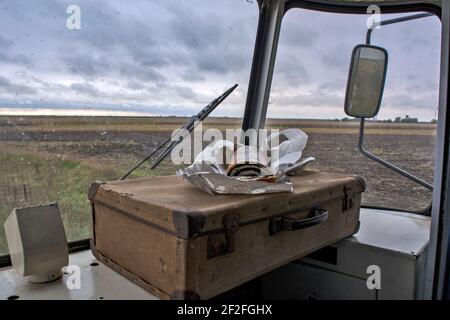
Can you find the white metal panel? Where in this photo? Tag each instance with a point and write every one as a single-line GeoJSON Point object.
{"type": "Point", "coordinates": [97, 282]}
{"type": "Point", "coordinates": [395, 231]}
{"type": "Point", "coordinates": [308, 282]}
{"type": "Point", "coordinates": [394, 241]}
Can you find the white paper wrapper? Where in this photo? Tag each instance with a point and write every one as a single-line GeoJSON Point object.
{"type": "Point", "coordinates": [208, 172]}
{"type": "Point", "coordinates": [207, 178]}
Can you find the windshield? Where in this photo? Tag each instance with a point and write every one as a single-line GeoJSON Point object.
{"type": "Point", "coordinates": [309, 84]}
{"type": "Point", "coordinates": [87, 90]}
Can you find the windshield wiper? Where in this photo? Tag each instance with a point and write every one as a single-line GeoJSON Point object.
{"type": "Point", "coordinates": [184, 130]}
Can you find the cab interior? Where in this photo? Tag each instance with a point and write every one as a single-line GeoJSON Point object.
{"type": "Point", "coordinates": [407, 242]}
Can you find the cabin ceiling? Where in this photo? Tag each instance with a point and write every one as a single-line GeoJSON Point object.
{"type": "Point", "coordinates": [380, 2]}
{"type": "Point", "coordinates": [370, 2]}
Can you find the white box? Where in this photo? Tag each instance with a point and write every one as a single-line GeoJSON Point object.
{"type": "Point", "coordinates": [37, 242]}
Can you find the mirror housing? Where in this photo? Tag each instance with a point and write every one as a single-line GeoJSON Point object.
{"type": "Point", "coordinates": [366, 80]}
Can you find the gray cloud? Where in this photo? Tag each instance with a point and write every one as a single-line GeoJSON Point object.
{"type": "Point", "coordinates": [6, 86]}
{"type": "Point", "coordinates": [192, 75]}
{"type": "Point", "coordinates": [134, 71]}
{"type": "Point", "coordinates": [315, 98]}
{"type": "Point", "coordinates": [335, 59]}
{"type": "Point", "coordinates": [86, 65]}
{"type": "Point", "coordinates": [86, 88]}
{"type": "Point", "coordinates": [296, 34]}
{"type": "Point", "coordinates": [186, 92]}
{"type": "Point", "coordinates": [135, 85]}
{"type": "Point", "coordinates": [5, 44]}
{"type": "Point", "coordinates": [7, 56]}
{"type": "Point", "coordinates": [292, 71]}
{"type": "Point", "coordinates": [332, 85]}
{"type": "Point", "coordinates": [209, 61]}
{"type": "Point", "coordinates": [176, 55]}
{"type": "Point", "coordinates": [405, 101]}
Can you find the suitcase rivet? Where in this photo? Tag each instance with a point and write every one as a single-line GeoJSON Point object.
{"type": "Point", "coordinates": [220, 245]}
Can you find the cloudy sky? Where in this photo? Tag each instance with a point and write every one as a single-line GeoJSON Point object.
{"type": "Point", "coordinates": [171, 57]}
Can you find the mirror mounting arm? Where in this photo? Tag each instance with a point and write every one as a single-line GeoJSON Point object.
{"type": "Point", "coordinates": [386, 163]}
{"type": "Point", "coordinates": [394, 21]}
{"type": "Point", "coordinates": [369, 36]}
{"type": "Point", "coordinates": [361, 129]}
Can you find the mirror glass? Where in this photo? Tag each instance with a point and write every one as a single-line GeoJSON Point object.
{"type": "Point", "coordinates": [366, 81]}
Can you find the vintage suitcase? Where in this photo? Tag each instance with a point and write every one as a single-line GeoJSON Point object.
{"type": "Point", "coordinates": [179, 242]}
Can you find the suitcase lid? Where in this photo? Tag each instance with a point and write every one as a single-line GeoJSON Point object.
{"type": "Point", "coordinates": [175, 206]}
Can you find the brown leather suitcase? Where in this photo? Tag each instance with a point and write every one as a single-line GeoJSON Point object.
{"type": "Point", "coordinates": [179, 242]}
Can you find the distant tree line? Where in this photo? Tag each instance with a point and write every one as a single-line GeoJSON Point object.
{"type": "Point", "coordinates": [406, 119]}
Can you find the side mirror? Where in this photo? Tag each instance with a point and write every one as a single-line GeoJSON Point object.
{"type": "Point", "coordinates": [366, 81]}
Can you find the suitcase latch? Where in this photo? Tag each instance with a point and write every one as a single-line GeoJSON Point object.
{"type": "Point", "coordinates": [348, 202]}
{"type": "Point", "coordinates": [223, 242]}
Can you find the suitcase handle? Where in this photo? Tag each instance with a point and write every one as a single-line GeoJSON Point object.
{"type": "Point", "coordinates": [291, 224]}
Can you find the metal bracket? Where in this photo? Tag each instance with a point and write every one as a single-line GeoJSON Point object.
{"type": "Point", "coordinates": [387, 164]}
{"type": "Point", "coordinates": [348, 202]}
{"type": "Point", "coordinates": [223, 242]}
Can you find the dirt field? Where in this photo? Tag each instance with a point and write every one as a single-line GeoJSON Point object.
{"type": "Point", "coordinates": [46, 159]}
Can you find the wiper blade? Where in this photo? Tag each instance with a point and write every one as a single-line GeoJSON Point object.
{"type": "Point", "coordinates": [172, 142]}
